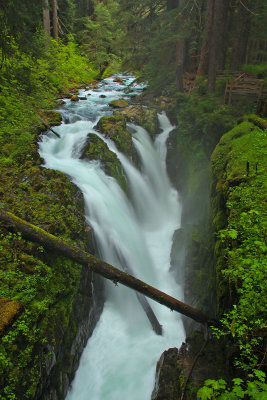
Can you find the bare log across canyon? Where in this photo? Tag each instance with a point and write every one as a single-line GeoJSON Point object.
{"type": "Point", "coordinates": [50, 242]}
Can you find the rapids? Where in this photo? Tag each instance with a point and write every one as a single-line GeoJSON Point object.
{"type": "Point", "coordinates": [119, 360]}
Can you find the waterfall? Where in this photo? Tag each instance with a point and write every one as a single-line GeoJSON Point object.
{"type": "Point", "coordinates": [119, 360]}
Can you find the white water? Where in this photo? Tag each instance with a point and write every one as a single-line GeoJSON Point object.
{"type": "Point", "coordinates": [119, 360]}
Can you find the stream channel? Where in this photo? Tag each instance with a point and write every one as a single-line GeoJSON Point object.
{"type": "Point", "coordinates": [120, 358]}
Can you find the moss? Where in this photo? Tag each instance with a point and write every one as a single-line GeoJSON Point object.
{"type": "Point", "coordinates": [10, 310]}
{"type": "Point", "coordinates": [96, 149]}
{"type": "Point", "coordinates": [44, 283]}
{"type": "Point", "coordinates": [239, 165]}
{"type": "Point", "coordinates": [121, 103]}
{"type": "Point", "coordinates": [115, 129]}
{"type": "Point", "coordinates": [51, 117]}
{"type": "Point", "coordinates": [145, 117]}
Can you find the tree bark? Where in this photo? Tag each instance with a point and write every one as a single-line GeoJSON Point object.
{"type": "Point", "coordinates": [50, 242]}
{"type": "Point", "coordinates": [55, 19]}
{"type": "Point", "coordinates": [180, 54]}
{"type": "Point", "coordinates": [171, 4]}
{"type": "Point", "coordinates": [218, 41]}
{"type": "Point", "coordinates": [46, 18]}
{"type": "Point", "coordinates": [241, 35]}
{"type": "Point", "coordinates": [206, 43]}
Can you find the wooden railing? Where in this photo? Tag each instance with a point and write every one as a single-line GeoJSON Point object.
{"type": "Point", "coordinates": [245, 85]}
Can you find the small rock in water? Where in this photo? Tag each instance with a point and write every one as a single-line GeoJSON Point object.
{"type": "Point", "coordinates": [102, 96]}
{"type": "Point", "coordinates": [75, 98]}
{"type": "Point", "coordinates": [118, 80]}
{"type": "Point", "coordinates": [83, 98]}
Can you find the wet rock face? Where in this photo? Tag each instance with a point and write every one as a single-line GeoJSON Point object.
{"type": "Point", "coordinates": [175, 365]}
{"type": "Point", "coordinates": [61, 360]}
{"type": "Point", "coordinates": [167, 375]}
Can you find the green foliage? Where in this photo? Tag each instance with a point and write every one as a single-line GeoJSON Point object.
{"type": "Point", "coordinates": [98, 35]}
{"type": "Point", "coordinates": [254, 388]}
{"type": "Point", "coordinates": [255, 69]}
{"type": "Point", "coordinates": [46, 290]}
{"type": "Point", "coordinates": [241, 266]}
{"type": "Point", "coordinates": [202, 118]}
{"type": "Point", "coordinates": [44, 283]}
{"type": "Point", "coordinates": [28, 84]}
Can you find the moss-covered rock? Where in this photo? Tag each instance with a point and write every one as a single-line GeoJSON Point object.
{"type": "Point", "coordinates": [121, 103]}
{"type": "Point", "coordinates": [10, 310]}
{"type": "Point", "coordinates": [75, 98]}
{"type": "Point", "coordinates": [143, 116]}
{"type": "Point", "coordinates": [239, 167]}
{"type": "Point", "coordinates": [51, 118]}
{"type": "Point", "coordinates": [96, 149]}
{"type": "Point", "coordinates": [118, 80]}
{"type": "Point", "coordinates": [38, 347]}
{"type": "Point", "coordinates": [115, 129]}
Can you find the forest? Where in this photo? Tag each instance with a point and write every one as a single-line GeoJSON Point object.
{"type": "Point", "coordinates": [203, 62]}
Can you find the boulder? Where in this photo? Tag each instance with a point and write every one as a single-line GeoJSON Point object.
{"type": "Point", "coordinates": [96, 149]}
{"type": "Point", "coordinates": [145, 117]}
{"type": "Point", "coordinates": [118, 80]}
{"type": "Point", "coordinates": [114, 128]}
{"type": "Point", "coordinates": [121, 103]}
{"type": "Point", "coordinates": [75, 97]}
{"type": "Point", "coordinates": [51, 117]}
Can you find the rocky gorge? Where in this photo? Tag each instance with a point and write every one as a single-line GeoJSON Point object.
{"type": "Point", "coordinates": [67, 318]}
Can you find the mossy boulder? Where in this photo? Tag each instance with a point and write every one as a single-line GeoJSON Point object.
{"type": "Point", "coordinates": [145, 117]}
{"type": "Point", "coordinates": [114, 128]}
{"type": "Point", "coordinates": [75, 98]}
{"type": "Point", "coordinates": [96, 149]}
{"type": "Point", "coordinates": [118, 80]}
{"type": "Point", "coordinates": [121, 103]}
{"type": "Point", "coordinates": [50, 117]}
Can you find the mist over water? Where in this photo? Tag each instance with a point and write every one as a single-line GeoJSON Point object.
{"type": "Point", "coordinates": [120, 358]}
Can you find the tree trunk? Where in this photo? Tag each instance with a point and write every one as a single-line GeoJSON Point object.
{"type": "Point", "coordinates": [102, 268]}
{"type": "Point", "coordinates": [218, 41]}
{"type": "Point", "coordinates": [180, 54]}
{"type": "Point", "coordinates": [241, 35]}
{"type": "Point", "coordinates": [46, 18]}
{"type": "Point", "coordinates": [55, 19]}
{"type": "Point", "coordinates": [206, 43]}
{"type": "Point", "coordinates": [171, 4]}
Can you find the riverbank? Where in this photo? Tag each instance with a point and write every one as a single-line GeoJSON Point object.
{"type": "Point", "coordinates": [55, 323]}
{"type": "Point", "coordinates": [215, 202]}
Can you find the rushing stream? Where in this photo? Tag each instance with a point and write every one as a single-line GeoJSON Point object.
{"type": "Point", "coordinates": [119, 360]}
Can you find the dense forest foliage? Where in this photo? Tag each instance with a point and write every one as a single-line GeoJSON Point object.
{"type": "Point", "coordinates": [186, 50]}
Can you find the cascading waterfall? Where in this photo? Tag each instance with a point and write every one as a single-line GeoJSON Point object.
{"type": "Point", "coordinates": [119, 360]}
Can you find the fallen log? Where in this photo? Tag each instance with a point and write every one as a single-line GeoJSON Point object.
{"type": "Point", "coordinates": [50, 242]}
{"type": "Point", "coordinates": [157, 328]}
{"type": "Point", "coordinates": [50, 129]}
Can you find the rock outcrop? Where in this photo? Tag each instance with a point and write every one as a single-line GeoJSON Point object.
{"type": "Point", "coordinates": [143, 116]}
{"type": "Point", "coordinates": [121, 103]}
{"type": "Point", "coordinates": [96, 149]}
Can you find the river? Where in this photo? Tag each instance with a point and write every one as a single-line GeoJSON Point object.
{"type": "Point", "coordinates": [120, 358]}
